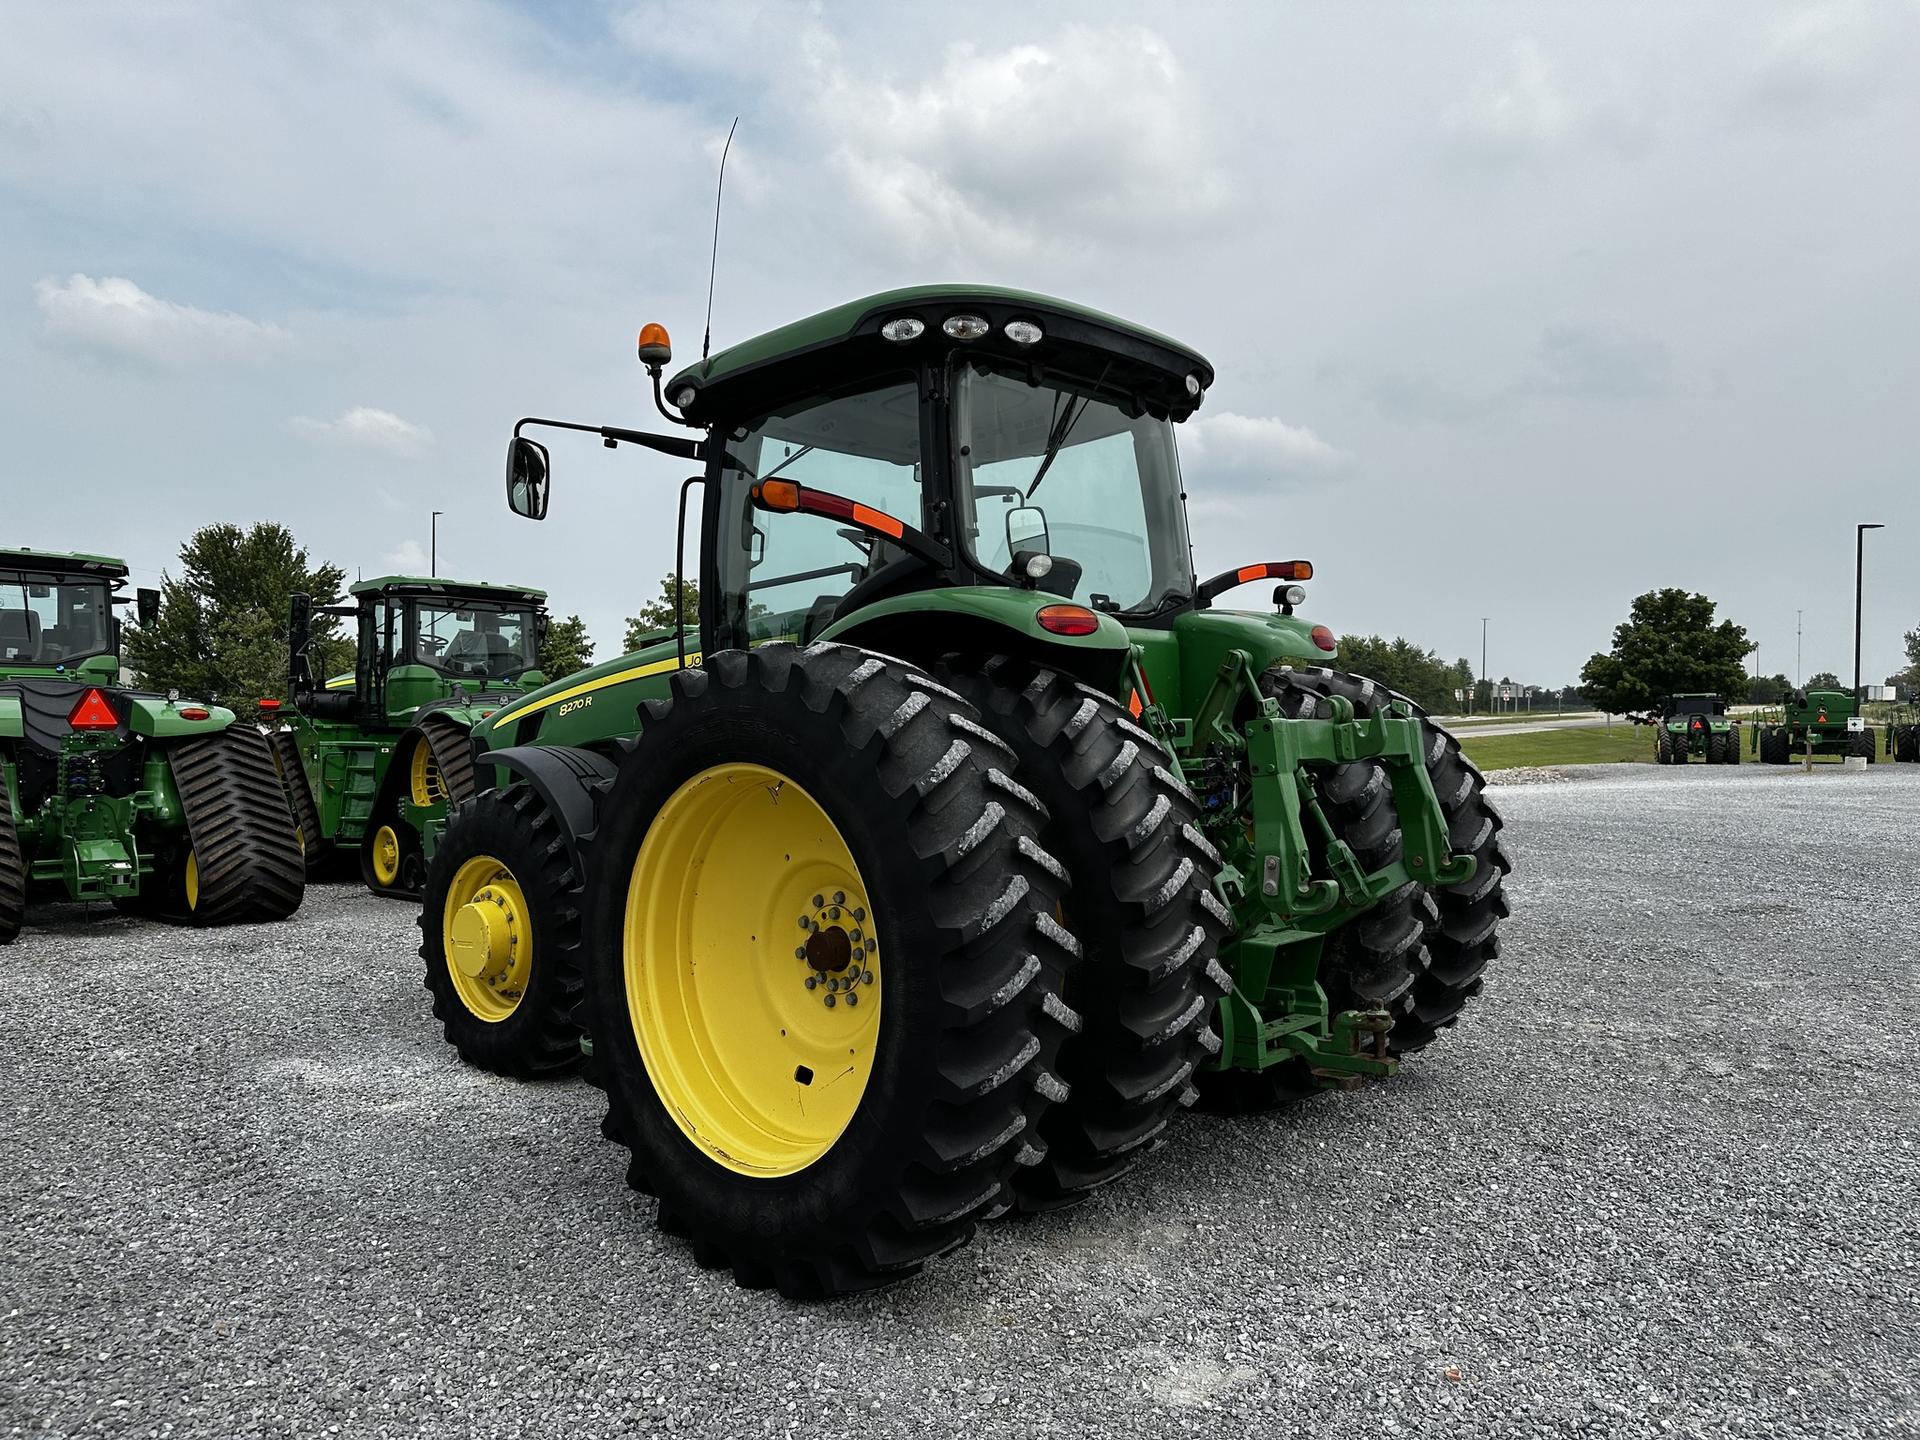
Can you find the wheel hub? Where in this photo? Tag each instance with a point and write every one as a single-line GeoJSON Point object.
{"type": "Point", "coordinates": [485, 933]}
{"type": "Point", "coordinates": [838, 950]}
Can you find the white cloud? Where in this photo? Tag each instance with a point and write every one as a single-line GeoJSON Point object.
{"type": "Point", "coordinates": [406, 558]}
{"type": "Point", "coordinates": [365, 428]}
{"type": "Point", "coordinates": [1597, 362]}
{"type": "Point", "coordinates": [1256, 449]}
{"type": "Point", "coordinates": [1828, 58]}
{"type": "Point", "coordinates": [1097, 134]}
{"type": "Point", "coordinates": [1524, 109]}
{"type": "Point", "coordinates": [116, 318]}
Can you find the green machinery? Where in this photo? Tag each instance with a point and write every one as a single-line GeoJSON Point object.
{"type": "Point", "coordinates": [969, 837]}
{"type": "Point", "coordinates": [1903, 733]}
{"type": "Point", "coordinates": [107, 793]}
{"type": "Point", "coordinates": [1691, 725]}
{"type": "Point", "coordinates": [372, 760]}
{"type": "Point", "coordinates": [1817, 722]}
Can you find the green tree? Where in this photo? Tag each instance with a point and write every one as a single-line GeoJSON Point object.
{"type": "Point", "coordinates": [656, 617]}
{"type": "Point", "coordinates": [222, 630]}
{"type": "Point", "coordinates": [565, 650]}
{"type": "Point", "coordinates": [1912, 672]}
{"type": "Point", "coordinates": [1399, 664]}
{"type": "Point", "coordinates": [1669, 644]}
{"type": "Point", "coordinates": [1824, 680]}
{"type": "Point", "coordinates": [1768, 689]}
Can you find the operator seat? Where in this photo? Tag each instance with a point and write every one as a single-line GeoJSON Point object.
{"type": "Point", "coordinates": [19, 636]}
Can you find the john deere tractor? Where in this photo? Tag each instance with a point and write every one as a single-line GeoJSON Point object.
{"type": "Point", "coordinates": [1691, 725]}
{"type": "Point", "coordinates": [968, 837]}
{"type": "Point", "coordinates": [106, 793]}
{"type": "Point", "coordinates": [1820, 722]}
{"type": "Point", "coordinates": [373, 759]}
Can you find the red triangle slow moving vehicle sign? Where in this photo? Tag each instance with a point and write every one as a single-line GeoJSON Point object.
{"type": "Point", "coordinates": [93, 713]}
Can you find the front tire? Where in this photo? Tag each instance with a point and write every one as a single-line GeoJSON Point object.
{"type": "Point", "coordinates": [812, 1129]}
{"type": "Point", "coordinates": [500, 934]}
{"type": "Point", "coordinates": [1142, 906]}
{"type": "Point", "coordinates": [13, 873]}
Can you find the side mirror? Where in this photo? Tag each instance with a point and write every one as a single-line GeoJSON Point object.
{"type": "Point", "coordinates": [147, 604]}
{"type": "Point", "coordinates": [1027, 530]}
{"type": "Point", "coordinates": [542, 623]}
{"type": "Point", "coordinates": [527, 473]}
{"type": "Point", "coordinates": [756, 547]}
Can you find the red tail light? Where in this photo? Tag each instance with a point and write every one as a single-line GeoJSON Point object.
{"type": "Point", "coordinates": [1067, 619]}
{"type": "Point", "coordinates": [195, 712]}
{"type": "Point", "coordinates": [93, 713]}
{"type": "Point", "coordinates": [269, 704]}
{"type": "Point", "coordinates": [1323, 637]}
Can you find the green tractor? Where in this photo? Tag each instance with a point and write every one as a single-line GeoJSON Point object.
{"type": "Point", "coordinates": [157, 804]}
{"type": "Point", "coordinates": [969, 838]}
{"type": "Point", "coordinates": [1818, 722]}
{"type": "Point", "coordinates": [372, 760]}
{"type": "Point", "coordinates": [1691, 725]}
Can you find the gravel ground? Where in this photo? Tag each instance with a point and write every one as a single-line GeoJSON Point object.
{"type": "Point", "coordinates": [1664, 1182]}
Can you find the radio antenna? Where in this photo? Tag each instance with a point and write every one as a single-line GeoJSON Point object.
{"type": "Point", "coordinates": [713, 260]}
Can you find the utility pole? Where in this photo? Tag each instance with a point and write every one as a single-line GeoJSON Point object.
{"type": "Point", "coordinates": [1483, 661]}
{"type": "Point", "coordinates": [433, 559]}
{"type": "Point", "coordinates": [1859, 577]}
{"type": "Point", "coordinates": [1798, 672]}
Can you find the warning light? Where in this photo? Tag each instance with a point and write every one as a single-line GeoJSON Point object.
{"type": "Point", "coordinates": [1067, 619]}
{"type": "Point", "coordinates": [93, 713]}
{"type": "Point", "coordinates": [655, 348]}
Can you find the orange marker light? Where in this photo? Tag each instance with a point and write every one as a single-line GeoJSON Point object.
{"type": "Point", "coordinates": [93, 713]}
{"type": "Point", "coordinates": [1067, 619]}
{"type": "Point", "coordinates": [777, 495]}
{"type": "Point", "coordinates": [878, 520]}
{"type": "Point", "coordinates": [655, 347]}
{"type": "Point", "coordinates": [195, 712]}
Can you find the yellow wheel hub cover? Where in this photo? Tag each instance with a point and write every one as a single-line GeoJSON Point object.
{"type": "Point", "coordinates": [386, 855]}
{"type": "Point", "coordinates": [752, 970]}
{"type": "Point", "coordinates": [487, 935]}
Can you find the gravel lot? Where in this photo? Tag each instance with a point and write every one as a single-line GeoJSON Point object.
{"type": "Point", "coordinates": [1664, 1182]}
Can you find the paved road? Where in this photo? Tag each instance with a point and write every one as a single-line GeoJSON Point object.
{"type": "Point", "coordinates": [1663, 1181]}
{"type": "Point", "coordinates": [1464, 725]}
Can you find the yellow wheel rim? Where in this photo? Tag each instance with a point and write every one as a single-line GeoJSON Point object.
{"type": "Point", "coordinates": [486, 934]}
{"type": "Point", "coordinates": [424, 777]}
{"type": "Point", "coordinates": [752, 971]}
{"type": "Point", "coordinates": [386, 855]}
{"type": "Point", "coordinates": [193, 881]}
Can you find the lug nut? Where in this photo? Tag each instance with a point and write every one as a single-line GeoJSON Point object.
{"type": "Point", "coordinates": [867, 976]}
{"type": "Point", "coordinates": [839, 897]}
{"type": "Point", "coordinates": [829, 1002]}
{"type": "Point", "coordinates": [818, 901]}
{"type": "Point", "coordinates": [853, 999]}
{"type": "Point", "coordinates": [859, 914]}
{"type": "Point", "coordinates": [799, 952]}
{"type": "Point", "coordinates": [812, 981]}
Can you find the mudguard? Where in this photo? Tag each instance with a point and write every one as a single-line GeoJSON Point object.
{"type": "Point", "coordinates": [569, 782]}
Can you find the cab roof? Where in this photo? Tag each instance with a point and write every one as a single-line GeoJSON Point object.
{"type": "Point", "coordinates": [440, 585]}
{"type": "Point", "coordinates": [817, 349]}
{"type": "Point", "coordinates": [63, 561]}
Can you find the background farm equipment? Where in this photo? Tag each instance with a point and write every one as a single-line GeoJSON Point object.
{"type": "Point", "coordinates": [373, 760]}
{"type": "Point", "coordinates": [1814, 722]}
{"type": "Point", "coordinates": [1690, 725]}
{"type": "Point", "coordinates": [148, 801]}
{"type": "Point", "coordinates": [967, 839]}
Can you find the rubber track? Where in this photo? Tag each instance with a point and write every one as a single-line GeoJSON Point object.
{"type": "Point", "coordinates": [13, 873]}
{"type": "Point", "coordinates": [293, 779]}
{"type": "Point", "coordinates": [240, 827]}
{"type": "Point", "coordinates": [990, 1073]}
{"type": "Point", "coordinates": [1462, 933]}
{"type": "Point", "coordinates": [1142, 904]}
{"type": "Point", "coordinates": [548, 1042]}
{"type": "Point", "coordinates": [452, 749]}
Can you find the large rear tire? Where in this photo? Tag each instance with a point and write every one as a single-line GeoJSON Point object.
{"type": "Point", "coordinates": [13, 873]}
{"type": "Point", "coordinates": [792, 822]}
{"type": "Point", "coordinates": [1866, 743]}
{"type": "Point", "coordinates": [500, 934]}
{"type": "Point", "coordinates": [1142, 906]}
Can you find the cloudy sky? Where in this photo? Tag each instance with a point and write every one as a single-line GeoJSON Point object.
{"type": "Point", "coordinates": [1518, 310]}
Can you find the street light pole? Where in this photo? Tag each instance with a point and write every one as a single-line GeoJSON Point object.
{"type": "Point", "coordinates": [1483, 661]}
{"type": "Point", "coordinates": [433, 558]}
{"type": "Point", "coordinates": [1859, 577]}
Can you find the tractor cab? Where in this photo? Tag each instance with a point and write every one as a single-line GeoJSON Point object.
{"type": "Point", "coordinates": [1004, 458]}
{"type": "Point", "coordinates": [417, 641]}
{"type": "Point", "coordinates": [56, 615]}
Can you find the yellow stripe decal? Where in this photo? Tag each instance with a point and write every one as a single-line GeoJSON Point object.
{"type": "Point", "coordinates": [521, 711]}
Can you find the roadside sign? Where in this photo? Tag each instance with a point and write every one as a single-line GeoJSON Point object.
{"type": "Point", "coordinates": [1856, 722]}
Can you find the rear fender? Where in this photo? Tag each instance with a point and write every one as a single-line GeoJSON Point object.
{"type": "Point", "coordinates": [569, 783]}
{"type": "Point", "coordinates": [922, 626]}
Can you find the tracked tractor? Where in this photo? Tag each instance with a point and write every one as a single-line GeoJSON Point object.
{"type": "Point", "coordinates": [157, 804]}
{"type": "Point", "coordinates": [1815, 722]}
{"type": "Point", "coordinates": [373, 759]}
{"type": "Point", "coordinates": [1690, 725]}
{"type": "Point", "coordinates": [970, 836]}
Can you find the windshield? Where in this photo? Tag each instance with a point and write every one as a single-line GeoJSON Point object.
{"type": "Point", "coordinates": [1044, 467]}
{"type": "Point", "coordinates": [48, 619]}
{"type": "Point", "coordinates": [474, 640]}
